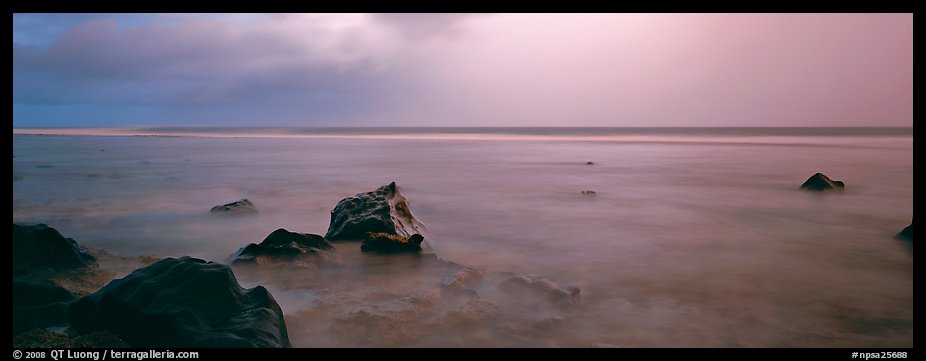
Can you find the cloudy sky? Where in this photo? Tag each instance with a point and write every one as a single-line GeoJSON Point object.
{"type": "Point", "coordinates": [462, 70]}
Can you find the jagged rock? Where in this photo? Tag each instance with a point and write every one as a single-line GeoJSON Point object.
{"type": "Point", "coordinates": [39, 305]}
{"type": "Point", "coordinates": [557, 293]}
{"type": "Point", "coordinates": [281, 245]}
{"type": "Point", "coordinates": [907, 233]}
{"type": "Point", "coordinates": [38, 248]}
{"type": "Point", "coordinates": [389, 243]}
{"type": "Point", "coordinates": [820, 182]}
{"type": "Point", "coordinates": [384, 210]}
{"type": "Point", "coordinates": [182, 302]}
{"type": "Point", "coordinates": [242, 206]}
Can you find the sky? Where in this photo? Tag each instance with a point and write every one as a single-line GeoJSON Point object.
{"type": "Point", "coordinates": [114, 70]}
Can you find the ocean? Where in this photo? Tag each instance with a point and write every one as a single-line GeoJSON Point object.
{"type": "Point", "coordinates": [695, 237]}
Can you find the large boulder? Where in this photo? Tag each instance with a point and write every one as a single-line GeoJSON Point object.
{"type": "Point", "coordinates": [820, 182]}
{"type": "Point", "coordinates": [381, 242]}
{"type": "Point", "coordinates": [182, 302]}
{"type": "Point", "coordinates": [241, 206]}
{"type": "Point", "coordinates": [281, 245]}
{"type": "Point", "coordinates": [384, 210]}
{"type": "Point", "coordinates": [38, 248]}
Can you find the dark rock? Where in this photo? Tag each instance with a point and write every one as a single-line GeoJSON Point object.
{"type": "Point", "coordinates": [389, 243]}
{"type": "Point", "coordinates": [557, 293]}
{"type": "Point", "coordinates": [39, 247]}
{"type": "Point", "coordinates": [589, 193]}
{"type": "Point", "coordinates": [243, 206]}
{"type": "Point", "coordinates": [39, 305]}
{"type": "Point", "coordinates": [907, 233]}
{"type": "Point", "coordinates": [281, 245]}
{"type": "Point", "coordinates": [589, 163]}
{"type": "Point", "coordinates": [384, 210]}
{"type": "Point", "coordinates": [820, 182]}
{"type": "Point", "coordinates": [182, 302]}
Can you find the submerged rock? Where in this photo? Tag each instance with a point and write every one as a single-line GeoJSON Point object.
{"type": "Point", "coordinates": [242, 206]}
{"type": "Point", "coordinates": [281, 245]}
{"type": "Point", "coordinates": [384, 210]}
{"type": "Point", "coordinates": [907, 233]}
{"type": "Point", "coordinates": [38, 248]}
{"type": "Point", "coordinates": [39, 305]}
{"type": "Point", "coordinates": [182, 302]}
{"type": "Point", "coordinates": [820, 182]}
{"type": "Point", "coordinates": [462, 282]}
{"type": "Point", "coordinates": [390, 243]}
{"type": "Point", "coordinates": [557, 293]}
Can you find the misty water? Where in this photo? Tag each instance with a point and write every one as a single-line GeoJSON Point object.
{"type": "Point", "coordinates": [692, 238]}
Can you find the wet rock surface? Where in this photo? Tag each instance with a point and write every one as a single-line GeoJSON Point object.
{"type": "Point", "coordinates": [39, 248]}
{"type": "Point", "coordinates": [389, 243]}
{"type": "Point", "coordinates": [281, 245]}
{"type": "Point", "coordinates": [906, 234]}
{"type": "Point", "coordinates": [820, 182]}
{"type": "Point", "coordinates": [384, 210]}
{"type": "Point", "coordinates": [182, 302]}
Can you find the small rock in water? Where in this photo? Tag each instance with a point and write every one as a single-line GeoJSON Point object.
{"type": "Point", "coordinates": [281, 245]}
{"type": "Point", "coordinates": [589, 193]}
{"type": "Point", "coordinates": [907, 233]}
{"type": "Point", "coordinates": [243, 206]}
{"type": "Point", "coordinates": [820, 182]}
{"type": "Point", "coordinates": [589, 163]}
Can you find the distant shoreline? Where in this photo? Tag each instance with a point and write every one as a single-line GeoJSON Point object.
{"type": "Point", "coordinates": [523, 131]}
{"type": "Point", "coordinates": [887, 138]}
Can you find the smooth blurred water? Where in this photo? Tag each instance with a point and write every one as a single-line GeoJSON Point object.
{"type": "Point", "coordinates": [691, 240]}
